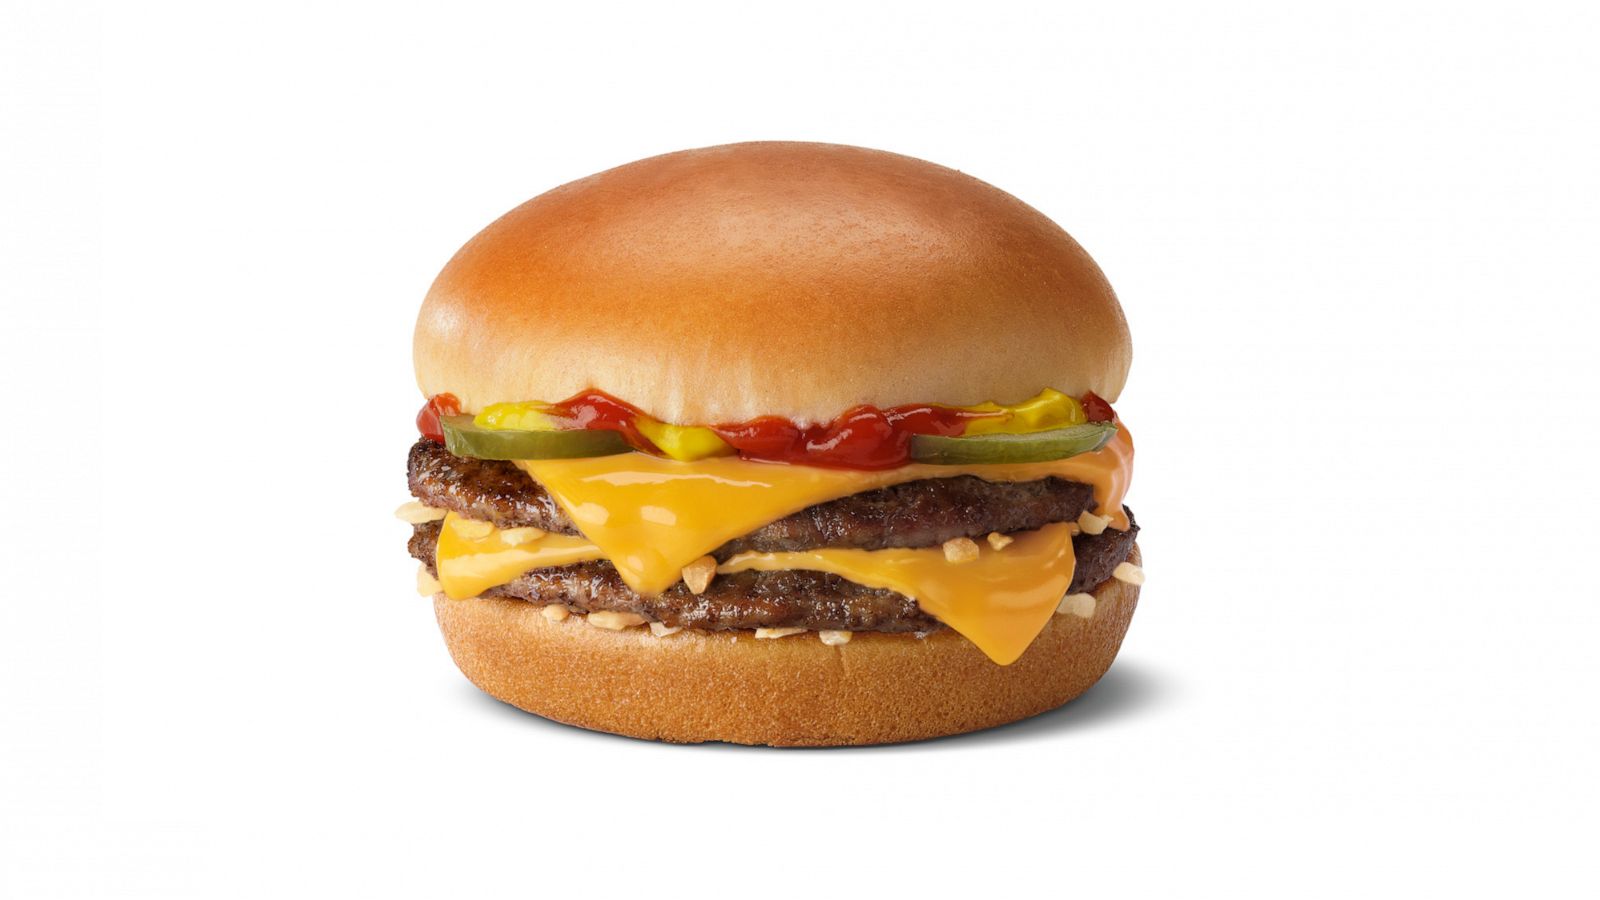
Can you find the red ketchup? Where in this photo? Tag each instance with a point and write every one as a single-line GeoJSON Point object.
{"type": "Point", "coordinates": [865, 437]}
{"type": "Point", "coordinates": [1097, 409]}
{"type": "Point", "coordinates": [428, 419]}
{"type": "Point", "coordinates": [601, 412]}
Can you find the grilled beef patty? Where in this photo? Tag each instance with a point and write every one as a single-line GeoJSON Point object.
{"type": "Point", "coordinates": [914, 514]}
{"type": "Point", "coordinates": [796, 598]}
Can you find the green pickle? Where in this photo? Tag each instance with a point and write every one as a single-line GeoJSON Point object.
{"type": "Point", "coordinates": [464, 438]}
{"type": "Point", "coordinates": [1039, 446]}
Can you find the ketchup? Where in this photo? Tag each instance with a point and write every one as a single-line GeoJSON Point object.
{"type": "Point", "coordinates": [599, 411]}
{"type": "Point", "coordinates": [428, 419]}
{"type": "Point", "coordinates": [1097, 409]}
{"type": "Point", "coordinates": [864, 437]}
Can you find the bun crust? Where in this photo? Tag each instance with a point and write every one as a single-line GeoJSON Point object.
{"type": "Point", "coordinates": [695, 686]}
{"type": "Point", "coordinates": [722, 284]}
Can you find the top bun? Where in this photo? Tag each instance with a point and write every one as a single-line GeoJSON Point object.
{"type": "Point", "coordinates": [792, 279]}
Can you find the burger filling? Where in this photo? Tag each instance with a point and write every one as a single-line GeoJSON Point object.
{"type": "Point", "coordinates": [927, 513]}
{"type": "Point", "coordinates": [907, 519]}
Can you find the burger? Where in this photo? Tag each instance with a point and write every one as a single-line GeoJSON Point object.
{"type": "Point", "coordinates": [775, 443]}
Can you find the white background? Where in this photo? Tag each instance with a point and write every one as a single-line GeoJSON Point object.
{"type": "Point", "coordinates": [1356, 244]}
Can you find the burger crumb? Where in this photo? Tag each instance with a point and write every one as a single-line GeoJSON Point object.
{"type": "Point", "coordinates": [1080, 605]}
{"type": "Point", "coordinates": [1089, 523]}
{"type": "Point", "coordinates": [834, 638]}
{"type": "Point", "coordinates": [698, 574]}
{"type": "Point", "coordinates": [427, 585]}
{"type": "Point", "coordinates": [516, 537]}
{"type": "Point", "coordinates": [662, 630]}
{"type": "Point", "coordinates": [1128, 573]}
{"type": "Point", "coordinates": [415, 513]}
{"type": "Point", "coordinates": [960, 550]}
{"type": "Point", "coordinates": [775, 633]}
{"type": "Point", "coordinates": [473, 529]}
{"type": "Point", "coordinates": [615, 621]}
{"type": "Point", "coordinates": [999, 541]}
{"type": "Point", "coordinates": [555, 612]}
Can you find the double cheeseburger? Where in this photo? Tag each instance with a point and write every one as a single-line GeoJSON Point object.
{"type": "Point", "coordinates": [775, 443]}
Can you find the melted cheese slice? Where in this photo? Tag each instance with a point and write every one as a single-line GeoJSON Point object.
{"type": "Point", "coordinates": [471, 560]}
{"type": "Point", "coordinates": [999, 601]}
{"type": "Point", "coordinates": [652, 516]}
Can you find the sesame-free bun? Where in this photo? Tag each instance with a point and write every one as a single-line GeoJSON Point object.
{"type": "Point", "coordinates": [697, 686]}
{"type": "Point", "coordinates": [794, 279]}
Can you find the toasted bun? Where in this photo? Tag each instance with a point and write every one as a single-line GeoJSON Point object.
{"type": "Point", "coordinates": [717, 285]}
{"type": "Point", "coordinates": [698, 686]}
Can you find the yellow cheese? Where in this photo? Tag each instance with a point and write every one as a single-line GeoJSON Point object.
{"type": "Point", "coordinates": [471, 559]}
{"type": "Point", "coordinates": [998, 601]}
{"type": "Point", "coordinates": [652, 516]}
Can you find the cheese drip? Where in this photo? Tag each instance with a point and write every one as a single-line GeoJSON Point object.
{"type": "Point", "coordinates": [652, 516]}
{"type": "Point", "coordinates": [999, 601]}
{"type": "Point", "coordinates": [470, 561]}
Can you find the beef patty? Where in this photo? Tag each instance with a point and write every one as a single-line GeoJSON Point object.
{"type": "Point", "coordinates": [794, 598]}
{"type": "Point", "coordinates": [913, 514]}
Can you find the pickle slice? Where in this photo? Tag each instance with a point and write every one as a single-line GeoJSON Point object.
{"type": "Point", "coordinates": [978, 449]}
{"type": "Point", "coordinates": [463, 438]}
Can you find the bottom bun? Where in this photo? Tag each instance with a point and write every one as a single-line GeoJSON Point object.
{"type": "Point", "coordinates": [795, 691]}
